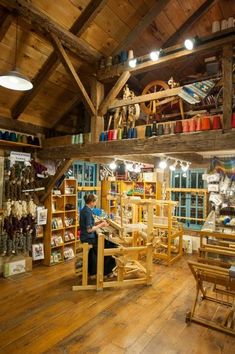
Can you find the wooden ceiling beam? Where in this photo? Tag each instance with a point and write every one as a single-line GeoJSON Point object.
{"type": "Point", "coordinates": [172, 54]}
{"type": "Point", "coordinates": [180, 143]}
{"type": "Point", "coordinates": [72, 72]}
{"type": "Point", "coordinates": [63, 168]}
{"type": "Point", "coordinates": [44, 73]}
{"type": "Point", "coordinates": [21, 127]}
{"type": "Point", "coordinates": [79, 26]}
{"type": "Point", "coordinates": [202, 10]}
{"type": "Point", "coordinates": [87, 16]}
{"type": "Point", "coordinates": [46, 25]}
{"type": "Point", "coordinates": [142, 24]}
{"type": "Point", "coordinates": [68, 108]}
{"type": "Point", "coordinates": [6, 22]}
{"type": "Point", "coordinates": [113, 92]}
{"type": "Point", "coordinates": [145, 98]}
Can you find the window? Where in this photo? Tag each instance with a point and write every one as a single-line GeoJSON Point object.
{"type": "Point", "coordinates": [188, 189]}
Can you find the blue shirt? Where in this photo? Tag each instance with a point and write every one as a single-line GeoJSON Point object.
{"type": "Point", "coordinates": [86, 222]}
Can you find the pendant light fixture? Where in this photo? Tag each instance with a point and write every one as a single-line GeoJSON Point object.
{"type": "Point", "coordinates": [14, 79]}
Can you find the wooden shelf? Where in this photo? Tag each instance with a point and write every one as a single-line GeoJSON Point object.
{"type": "Point", "coordinates": [15, 143]}
{"type": "Point", "coordinates": [88, 188]}
{"type": "Point", "coordinates": [60, 204]}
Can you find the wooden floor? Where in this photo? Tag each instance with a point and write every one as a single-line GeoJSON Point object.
{"type": "Point", "coordinates": [41, 314]}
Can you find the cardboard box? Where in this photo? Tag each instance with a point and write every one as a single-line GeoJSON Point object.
{"type": "Point", "coordinates": [16, 265]}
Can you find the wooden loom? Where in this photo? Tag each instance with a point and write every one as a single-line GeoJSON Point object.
{"type": "Point", "coordinates": [222, 285]}
{"type": "Point", "coordinates": [129, 270]}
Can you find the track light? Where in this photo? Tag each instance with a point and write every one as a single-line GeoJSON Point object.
{"type": "Point", "coordinates": [162, 164]}
{"type": "Point", "coordinates": [154, 55]}
{"type": "Point", "coordinates": [189, 43]}
{"type": "Point", "coordinates": [132, 63]}
{"type": "Point", "coordinates": [129, 167]}
{"type": "Point", "coordinates": [173, 166]}
{"type": "Point", "coordinates": [137, 168]}
{"type": "Point", "coordinates": [184, 168]}
{"type": "Point", "coordinates": [113, 165]}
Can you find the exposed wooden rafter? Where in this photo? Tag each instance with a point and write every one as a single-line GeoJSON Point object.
{"type": "Point", "coordinates": [176, 54]}
{"type": "Point", "coordinates": [67, 109]}
{"type": "Point", "coordinates": [79, 26]}
{"type": "Point", "coordinates": [45, 25]}
{"type": "Point", "coordinates": [72, 72]}
{"type": "Point", "coordinates": [145, 98]}
{"type": "Point", "coordinates": [21, 127]}
{"type": "Point", "coordinates": [44, 73]}
{"type": "Point", "coordinates": [87, 16]}
{"type": "Point", "coordinates": [142, 24]}
{"type": "Point", "coordinates": [179, 143]}
{"type": "Point", "coordinates": [60, 171]}
{"type": "Point", "coordinates": [202, 10]}
{"type": "Point", "coordinates": [114, 92]}
{"type": "Point", "coordinates": [6, 22]}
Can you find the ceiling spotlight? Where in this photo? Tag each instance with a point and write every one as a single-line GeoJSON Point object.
{"type": "Point", "coordinates": [162, 164]}
{"type": "Point", "coordinates": [113, 165]}
{"type": "Point", "coordinates": [173, 166]}
{"type": "Point", "coordinates": [132, 63]}
{"type": "Point", "coordinates": [184, 168]}
{"type": "Point", "coordinates": [154, 56]}
{"type": "Point", "coordinates": [189, 43]}
{"type": "Point", "coordinates": [137, 168]}
{"type": "Point", "coordinates": [129, 167]}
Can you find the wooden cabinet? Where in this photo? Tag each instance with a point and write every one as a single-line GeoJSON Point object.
{"type": "Point", "coordinates": [61, 228]}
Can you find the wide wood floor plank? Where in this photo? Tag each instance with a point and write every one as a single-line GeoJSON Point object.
{"type": "Point", "coordinates": [41, 314]}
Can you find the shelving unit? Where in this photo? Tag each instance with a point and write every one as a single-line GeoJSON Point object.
{"type": "Point", "coordinates": [111, 191]}
{"type": "Point", "coordinates": [61, 229]}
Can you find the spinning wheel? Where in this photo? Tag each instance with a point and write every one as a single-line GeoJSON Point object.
{"type": "Point", "coordinates": [158, 105]}
{"type": "Point", "coordinates": [126, 115]}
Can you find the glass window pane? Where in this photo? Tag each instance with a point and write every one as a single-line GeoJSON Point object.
{"type": "Point", "coordinates": [193, 180]}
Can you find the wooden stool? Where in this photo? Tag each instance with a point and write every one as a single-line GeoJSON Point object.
{"type": "Point", "coordinates": [83, 252]}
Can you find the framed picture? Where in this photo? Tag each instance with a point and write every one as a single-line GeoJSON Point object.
{"type": "Point", "coordinates": [37, 251]}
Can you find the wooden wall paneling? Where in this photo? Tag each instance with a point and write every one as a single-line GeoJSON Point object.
{"type": "Point", "coordinates": [227, 8]}
{"type": "Point", "coordinates": [69, 67]}
{"type": "Point", "coordinates": [67, 108]}
{"type": "Point", "coordinates": [52, 62]}
{"type": "Point", "coordinates": [5, 24]}
{"type": "Point", "coordinates": [204, 24]}
{"type": "Point", "coordinates": [176, 16]}
{"type": "Point", "coordinates": [48, 67]}
{"type": "Point", "coordinates": [97, 121]}
{"type": "Point", "coordinates": [125, 11]}
{"type": "Point", "coordinates": [110, 23]}
{"type": "Point", "coordinates": [46, 25]}
{"type": "Point", "coordinates": [227, 68]}
{"type": "Point", "coordinates": [179, 143]}
{"type": "Point", "coordinates": [143, 23]}
{"type": "Point", "coordinates": [188, 23]}
{"type": "Point", "coordinates": [99, 39]}
{"type": "Point", "coordinates": [113, 92]}
{"type": "Point", "coordinates": [87, 16]}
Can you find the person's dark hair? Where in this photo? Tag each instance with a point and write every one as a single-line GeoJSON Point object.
{"type": "Point", "coordinates": [90, 198]}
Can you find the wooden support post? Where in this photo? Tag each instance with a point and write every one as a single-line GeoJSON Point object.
{"type": "Point", "coordinates": [149, 263]}
{"type": "Point", "coordinates": [97, 121]}
{"type": "Point", "coordinates": [114, 92]}
{"type": "Point", "coordinates": [227, 85]}
{"type": "Point", "coordinates": [100, 263]}
{"type": "Point", "coordinates": [150, 223]}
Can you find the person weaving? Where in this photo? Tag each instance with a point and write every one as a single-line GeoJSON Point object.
{"type": "Point", "coordinates": [88, 233]}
